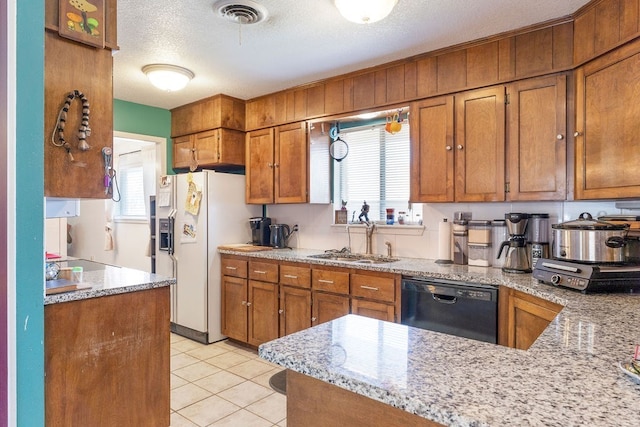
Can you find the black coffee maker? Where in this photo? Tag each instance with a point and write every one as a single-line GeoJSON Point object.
{"type": "Point", "coordinates": [260, 234]}
{"type": "Point", "coordinates": [517, 258]}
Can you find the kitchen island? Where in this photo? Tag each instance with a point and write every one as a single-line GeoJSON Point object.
{"type": "Point", "coordinates": [569, 376]}
{"type": "Point", "coordinates": [107, 349]}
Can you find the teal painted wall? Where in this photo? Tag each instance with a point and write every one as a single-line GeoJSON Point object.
{"type": "Point", "coordinates": [143, 120]}
{"type": "Point", "coordinates": [30, 212]}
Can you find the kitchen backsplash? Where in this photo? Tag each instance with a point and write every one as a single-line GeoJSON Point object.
{"type": "Point", "coordinates": [316, 229]}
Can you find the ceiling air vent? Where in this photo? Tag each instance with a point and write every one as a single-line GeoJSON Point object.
{"type": "Point", "coordinates": [242, 12]}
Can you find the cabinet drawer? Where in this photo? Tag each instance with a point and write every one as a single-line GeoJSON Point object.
{"type": "Point", "coordinates": [295, 276]}
{"type": "Point", "coordinates": [373, 287]}
{"type": "Point", "coordinates": [234, 267]}
{"type": "Point", "coordinates": [330, 281]}
{"type": "Point", "coordinates": [263, 271]}
{"type": "Point", "coordinates": [373, 309]}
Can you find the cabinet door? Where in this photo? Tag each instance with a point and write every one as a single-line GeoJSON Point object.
{"type": "Point", "coordinates": [292, 163]}
{"type": "Point", "coordinates": [230, 147]}
{"type": "Point", "coordinates": [432, 150]}
{"type": "Point", "coordinates": [480, 145]}
{"type": "Point", "coordinates": [537, 165]}
{"type": "Point", "coordinates": [608, 125]}
{"type": "Point", "coordinates": [373, 309]}
{"type": "Point", "coordinates": [234, 308]}
{"type": "Point", "coordinates": [263, 312]}
{"type": "Point", "coordinates": [326, 307]}
{"type": "Point", "coordinates": [259, 167]}
{"type": "Point", "coordinates": [206, 147]}
{"type": "Point", "coordinates": [523, 317]}
{"type": "Point", "coordinates": [183, 151]}
{"type": "Point", "coordinates": [295, 310]}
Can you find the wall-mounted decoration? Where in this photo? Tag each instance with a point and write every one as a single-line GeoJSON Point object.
{"type": "Point", "coordinates": [82, 21]}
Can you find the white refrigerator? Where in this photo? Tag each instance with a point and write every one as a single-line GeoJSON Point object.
{"type": "Point", "coordinates": [196, 212]}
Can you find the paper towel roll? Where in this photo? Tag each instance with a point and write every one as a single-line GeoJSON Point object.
{"type": "Point", "coordinates": [444, 242]}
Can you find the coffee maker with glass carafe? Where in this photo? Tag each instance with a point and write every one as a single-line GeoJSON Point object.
{"type": "Point", "coordinates": [516, 259]}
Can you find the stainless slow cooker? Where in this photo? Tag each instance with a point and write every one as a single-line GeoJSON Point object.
{"type": "Point", "coordinates": [589, 240]}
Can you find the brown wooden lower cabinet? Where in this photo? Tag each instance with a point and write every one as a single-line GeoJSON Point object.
{"type": "Point", "coordinates": [107, 360]}
{"type": "Point", "coordinates": [523, 317]}
{"type": "Point", "coordinates": [263, 312]}
{"type": "Point", "coordinates": [234, 307]}
{"type": "Point", "coordinates": [315, 403]}
{"type": "Point", "coordinates": [374, 309]}
{"type": "Point", "coordinates": [326, 307]}
{"type": "Point", "coordinates": [295, 310]}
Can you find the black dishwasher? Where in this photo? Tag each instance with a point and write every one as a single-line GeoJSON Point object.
{"type": "Point", "coordinates": [464, 309]}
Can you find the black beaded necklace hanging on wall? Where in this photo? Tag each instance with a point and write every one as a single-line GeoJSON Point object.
{"type": "Point", "coordinates": [83, 132]}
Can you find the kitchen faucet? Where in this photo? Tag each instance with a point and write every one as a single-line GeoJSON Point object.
{"type": "Point", "coordinates": [371, 227]}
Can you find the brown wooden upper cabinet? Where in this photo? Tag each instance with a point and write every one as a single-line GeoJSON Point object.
{"type": "Point", "coordinates": [432, 157]}
{"type": "Point", "coordinates": [208, 149]}
{"type": "Point", "coordinates": [219, 111]}
{"type": "Point", "coordinates": [537, 143]}
{"type": "Point", "coordinates": [466, 162]}
{"type": "Point", "coordinates": [277, 165]}
{"type": "Point", "coordinates": [462, 162]}
{"type": "Point", "coordinates": [608, 125]}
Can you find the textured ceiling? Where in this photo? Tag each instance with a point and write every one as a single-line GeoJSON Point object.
{"type": "Point", "coordinates": [301, 41]}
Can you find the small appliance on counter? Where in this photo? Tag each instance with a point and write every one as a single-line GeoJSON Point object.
{"type": "Point", "coordinates": [280, 234]}
{"type": "Point", "coordinates": [588, 240]}
{"type": "Point", "coordinates": [588, 277]}
{"type": "Point", "coordinates": [260, 231]}
{"type": "Point", "coordinates": [592, 255]}
{"type": "Point", "coordinates": [632, 242]}
{"type": "Point", "coordinates": [516, 258]}
{"type": "Point", "coordinates": [538, 237]}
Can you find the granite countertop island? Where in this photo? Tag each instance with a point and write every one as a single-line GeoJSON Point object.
{"type": "Point", "coordinates": [569, 377]}
{"type": "Point", "coordinates": [106, 343]}
{"type": "Point", "coordinates": [101, 280]}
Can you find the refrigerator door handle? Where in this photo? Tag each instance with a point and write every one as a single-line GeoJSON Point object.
{"type": "Point", "coordinates": [171, 234]}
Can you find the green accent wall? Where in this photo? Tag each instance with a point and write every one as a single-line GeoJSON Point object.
{"type": "Point", "coordinates": [144, 120]}
{"type": "Point", "coordinates": [29, 213]}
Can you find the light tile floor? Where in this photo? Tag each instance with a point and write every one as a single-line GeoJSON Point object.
{"type": "Point", "coordinates": [222, 384]}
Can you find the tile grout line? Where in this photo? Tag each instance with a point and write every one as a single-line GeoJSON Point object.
{"type": "Point", "coordinates": [226, 349]}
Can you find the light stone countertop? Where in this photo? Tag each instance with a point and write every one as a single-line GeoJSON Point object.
{"type": "Point", "coordinates": [569, 377]}
{"type": "Point", "coordinates": [103, 280]}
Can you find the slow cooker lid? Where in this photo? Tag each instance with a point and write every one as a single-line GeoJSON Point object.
{"type": "Point", "coordinates": [586, 222]}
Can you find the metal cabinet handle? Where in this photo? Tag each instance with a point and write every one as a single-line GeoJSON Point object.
{"type": "Point", "coordinates": [371, 288]}
{"type": "Point", "coordinates": [448, 148]}
{"type": "Point", "coordinates": [244, 303]}
{"type": "Point", "coordinates": [276, 165]}
{"type": "Point", "coordinates": [231, 268]}
{"type": "Point", "coordinates": [577, 133]}
{"type": "Point", "coordinates": [460, 147]}
{"type": "Point", "coordinates": [313, 319]}
{"type": "Point", "coordinates": [248, 304]}
{"type": "Point", "coordinates": [560, 137]}
{"type": "Point", "coordinates": [290, 276]}
{"type": "Point", "coordinates": [270, 165]}
{"type": "Point", "coordinates": [259, 272]}
{"type": "Point", "coordinates": [326, 281]}
{"type": "Point", "coordinates": [280, 311]}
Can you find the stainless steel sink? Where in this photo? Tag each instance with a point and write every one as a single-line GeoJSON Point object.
{"type": "Point", "coordinates": [355, 258]}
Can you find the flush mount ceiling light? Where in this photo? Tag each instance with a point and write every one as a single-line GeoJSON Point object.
{"type": "Point", "coordinates": [365, 11]}
{"type": "Point", "coordinates": [169, 78]}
